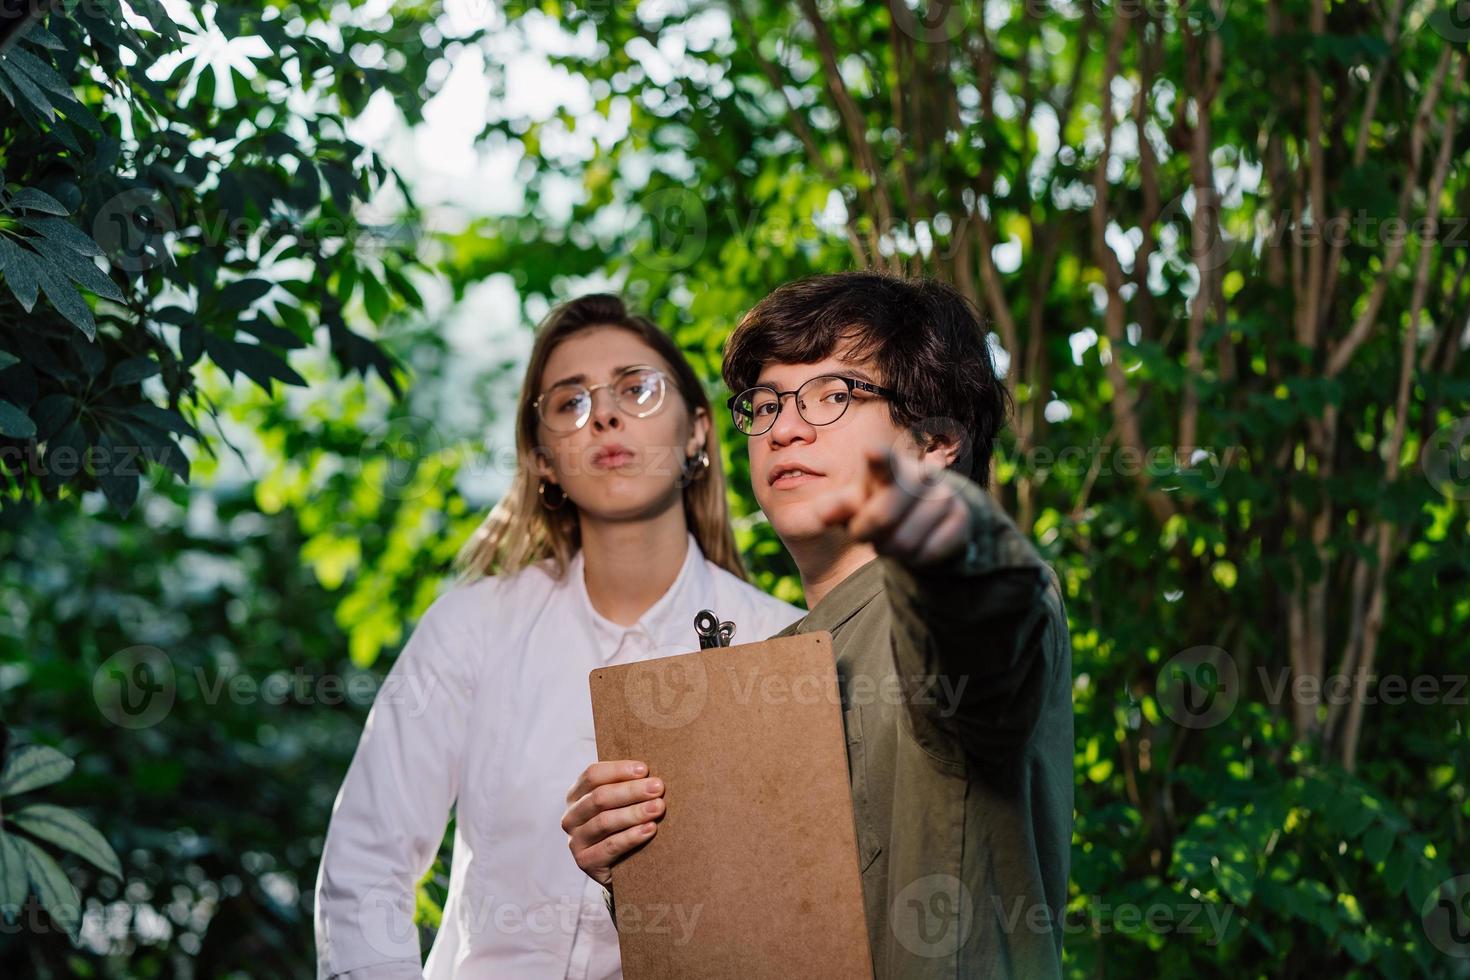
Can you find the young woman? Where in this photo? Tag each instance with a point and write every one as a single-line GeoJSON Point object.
{"type": "Point", "coordinates": [613, 536]}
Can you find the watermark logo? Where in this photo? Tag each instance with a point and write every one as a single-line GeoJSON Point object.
{"type": "Point", "coordinates": [679, 228]}
{"type": "Point", "coordinates": [1446, 917]}
{"type": "Point", "coordinates": [933, 915]}
{"type": "Point", "coordinates": [403, 443]}
{"type": "Point", "coordinates": [385, 919]}
{"type": "Point", "coordinates": [1202, 220]}
{"type": "Point", "coordinates": [670, 694]}
{"type": "Point", "coordinates": [1445, 459]}
{"type": "Point", "coordinates": [936, 20]}
{"type": "Point", "coordinates": [132, 228]}
{"type": "Point", "coordinates": [1452, 22]}
{"type": "Point", "coordinates": [138, 687]}
{"type": "Point", "coordinates": [1097, 916]}
{"type": "Point", "coordinates": [931, 483]}
{"type": "Point", "coordinates": [135, 687]}
{"type": "Point", "coordinates": [1198, 687]}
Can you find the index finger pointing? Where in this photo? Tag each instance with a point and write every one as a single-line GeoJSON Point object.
{"type": "Point", "coordinates": [881, 466]}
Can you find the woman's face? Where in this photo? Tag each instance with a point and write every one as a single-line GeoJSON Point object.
{"type": "Point", "coordinates": [616, 466]}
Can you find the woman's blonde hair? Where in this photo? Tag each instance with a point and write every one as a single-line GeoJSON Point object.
{"type": "Point", "coordinates": [520, 531]}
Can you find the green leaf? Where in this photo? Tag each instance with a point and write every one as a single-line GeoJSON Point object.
{"type": "Point", "coordinates": [70, 832]}
{"type": "Point", "coordinates": [42, 38]}
{"type": "Point", "coordinates": [92, 358]}
{"type": "Point", "coordinates": [65, 233]}
{"type": "Point", "coordinates": [68, 302]}
{"type": "Point", "coordinates": [52, 412]}
{"type": "Point", "coordinates": [77, 112]}
{"type": "Point", "coordinates": [1264, 938]}
{"type": "Point", "coordinates": [260, 365]}
{"type": "Point", "coordinates": [176, 315]}
{"type": "Point", "coordinates": [346, 283]}
{"type": "Point", "coordinates": [15, 423]}
{"type": "Point", "coordinates": [133, 370]}
{"type": "Point", "coordinates": [159, 18]}
{"type": "Point", "coordinates": [341, 183]}
{"type": "Point", "coordinates": [191, 343]}
{"type": "Point", "coordinates": [403, 286]}
{"type": "Point", "coordinates": [1396, 870]}
{"type": "Point", "coordinates": [1377, 842]}
{"type": "Point", "coordinates": [13, 888]}
{"type": "Point", "coordinates": [7, 359]}
{"type": "Point", "coordinates": [294, 320]}
{"type": "Point", "coordinates": [222, 353]}
{"type": "Point", "coordinates": [22, 274]}
{"type": "Point", "coordinates": [1356, 946]}
{"type": "Point", "coordinates": [1347, 813]}
{"type": "Point", "coordinates": [30, 92]}
{"type": "Point", "coordinates": [120, 488]}
{"type": "Point", "coordinates": [31, 767]}
{"type": "Point", "coordinates": [40, 72]}
{"type": "Point", "coordinates": [241, 293]}
{"type": "Point", "coordinates": [165, 418]}
{"type": "Point", "coordinates": [374, 299]}
{"type": "Point", "coordinates": [65, 452]}
{"type": "Point", "coordinates": [56, 892]}
{"type": "Point", "coordinates": [158, 447]}
{"type": "Point", "coordinates": [62, 133]}
{"type": "Point", "coordinates": [79, 268]}
{"type": "Point", "coordinates": [30, 199]}
{"type": "Point", "coordinates": [272, 334]}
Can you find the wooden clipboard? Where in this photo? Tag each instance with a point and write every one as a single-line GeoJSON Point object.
{"type": "Point", "coordinates": [753, 874]}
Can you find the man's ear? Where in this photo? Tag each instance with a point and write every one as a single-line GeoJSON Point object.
{"type": "Point", "coordinates": [699, 433]}
{"type": "Point", "coordinates": [940, 448]}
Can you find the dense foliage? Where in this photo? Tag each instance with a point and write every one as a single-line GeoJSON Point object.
{"type": "Point", "coordinates": [1222, 251]}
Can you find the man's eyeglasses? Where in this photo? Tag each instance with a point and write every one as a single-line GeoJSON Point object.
{"type": "Point", "coordinates": [638, 391]}
{"type": "Point", "coordinates": [820, 400]}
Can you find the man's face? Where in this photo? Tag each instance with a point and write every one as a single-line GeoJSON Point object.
{"type": "Point", "coordinates": [831, 454]}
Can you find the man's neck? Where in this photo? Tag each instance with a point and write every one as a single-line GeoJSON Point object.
{"type": "Point", "coordinates": [826, 561]}
{"type": "Point", "coordinates": [629, 565]}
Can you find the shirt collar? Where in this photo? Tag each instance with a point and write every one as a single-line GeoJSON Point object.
{"type": "Point", "coordinates": [668, 623]}
{"type": "Point", "coordinates": [843, 602]}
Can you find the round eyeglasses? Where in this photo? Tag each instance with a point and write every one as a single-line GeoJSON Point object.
{"type": "Point", "coordinates": [820, 400]}
{"type": "Point", "coordinates": [638, 391]}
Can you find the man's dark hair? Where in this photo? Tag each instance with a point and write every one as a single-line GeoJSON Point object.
{"type": "Point", "coordinates": [924, 337]}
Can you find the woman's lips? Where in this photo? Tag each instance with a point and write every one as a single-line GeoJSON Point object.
{"type": "Point", "coordinates": [612, 460]}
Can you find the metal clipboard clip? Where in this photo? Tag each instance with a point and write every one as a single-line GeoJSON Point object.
{"type": "Point", "coordinates": [712, 632]}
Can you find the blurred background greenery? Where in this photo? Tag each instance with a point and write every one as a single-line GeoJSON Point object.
{"type": "Point", "coordinates": [1221, 248]}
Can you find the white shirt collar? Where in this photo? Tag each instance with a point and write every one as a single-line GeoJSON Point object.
{"type": "Point", "coordinates": [669, 622]}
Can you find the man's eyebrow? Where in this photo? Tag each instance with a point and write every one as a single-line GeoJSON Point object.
{"type": "Point", "coordinates": [844, 370]}
{"type": "Point", "coordinates": [581, 379]}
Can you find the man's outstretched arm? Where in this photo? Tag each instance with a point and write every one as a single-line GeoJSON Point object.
{"type": "Point", "coordinates": [979, 626]}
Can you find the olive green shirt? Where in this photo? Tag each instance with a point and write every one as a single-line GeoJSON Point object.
{"type": "Point", "coordinates": [957, 702]}
{"type": "Point", "coordinates": [956, 683]}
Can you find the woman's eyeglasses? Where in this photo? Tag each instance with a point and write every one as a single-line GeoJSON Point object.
{"type": "Point", "coordinates": [820, 400]}
{"type": "Point", "coordinates": [638, 391]}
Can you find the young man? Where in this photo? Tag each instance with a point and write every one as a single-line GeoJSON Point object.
{"type": "Point", "coordinates": [871, 407]}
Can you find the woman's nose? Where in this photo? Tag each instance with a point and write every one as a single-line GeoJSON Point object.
{"type": "Point", "coordinates": [605, 410]}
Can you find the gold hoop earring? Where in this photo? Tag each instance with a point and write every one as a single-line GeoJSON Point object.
{"type": "Point", "coordinates": [541, 491]}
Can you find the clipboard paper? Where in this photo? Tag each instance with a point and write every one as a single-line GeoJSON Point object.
{"type": "Point", "coordinates": [753, 872]}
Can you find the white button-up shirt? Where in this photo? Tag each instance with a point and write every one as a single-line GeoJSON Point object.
{"type": "Point", "coordinates": [487, 710]}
